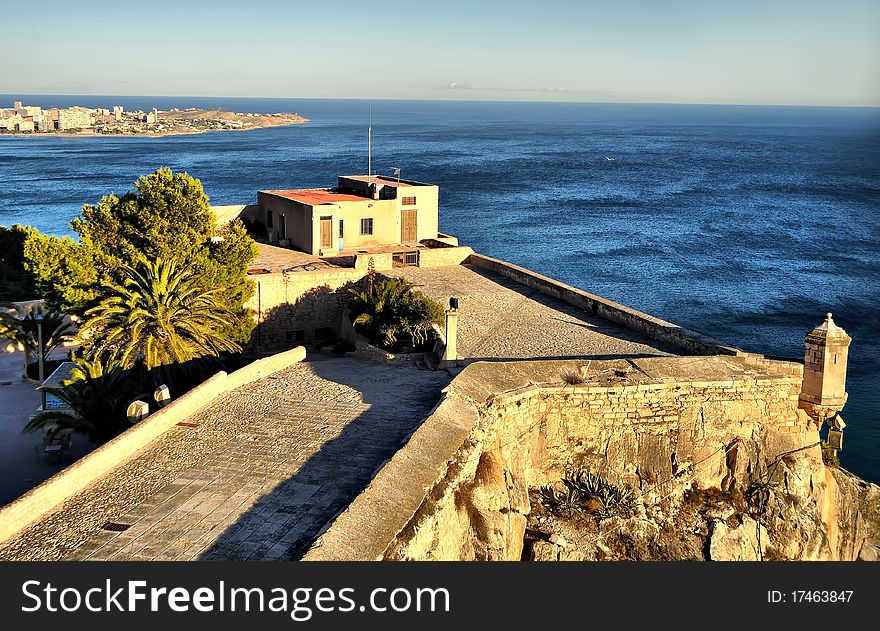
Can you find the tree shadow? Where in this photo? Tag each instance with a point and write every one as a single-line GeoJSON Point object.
{"type": "Point", "coordinates": [311, 320]}
{"type": "Point", "coordinates": [285, 522]}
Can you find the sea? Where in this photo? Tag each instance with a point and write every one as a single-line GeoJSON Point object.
{"type": "Point", "coordinates": [747, 223]}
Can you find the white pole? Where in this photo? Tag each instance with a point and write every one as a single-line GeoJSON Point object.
{"type": "Point", "coordinates": [370, 146]}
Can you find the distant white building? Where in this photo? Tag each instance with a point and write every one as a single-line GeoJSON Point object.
{"type": "Point", "coordinates": [75, 118]}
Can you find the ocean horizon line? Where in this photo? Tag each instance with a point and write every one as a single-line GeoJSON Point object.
{"type": "Point", "coordinates": [23, 95]}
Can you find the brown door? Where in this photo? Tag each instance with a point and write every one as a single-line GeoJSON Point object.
{"type": "Point", "coordinates": [326, 232]}
{"type": "Point", "coordinates": [408, 225]}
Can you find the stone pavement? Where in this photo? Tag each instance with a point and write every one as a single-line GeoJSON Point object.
{"type": "Point", "coordinates": [501, 319]}
{"type": "Point", "coordinates": [267, 467]}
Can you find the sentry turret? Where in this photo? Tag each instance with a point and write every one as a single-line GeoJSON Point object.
{"type": "Point", "coordinates": [823, 393]}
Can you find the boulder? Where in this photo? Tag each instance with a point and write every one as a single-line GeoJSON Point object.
{"type": "Point", "coordinates": [738, 544]}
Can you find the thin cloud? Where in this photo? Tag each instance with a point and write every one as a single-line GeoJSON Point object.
{"type": "Point", "coordinates": [455, 85]}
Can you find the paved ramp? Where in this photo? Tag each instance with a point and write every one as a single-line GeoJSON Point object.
{"type": "Point", "coordinates": [267, 467]}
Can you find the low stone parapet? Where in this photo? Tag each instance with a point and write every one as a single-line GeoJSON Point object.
{"type": "Point", "coordinates": [644, 323]}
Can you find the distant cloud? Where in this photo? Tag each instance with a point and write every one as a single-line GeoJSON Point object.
{"type": "Point", "coordinates": [497, 88]}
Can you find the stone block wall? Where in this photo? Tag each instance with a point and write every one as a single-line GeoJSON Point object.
{"type": "Point", "coordinates": [297, 308]}
{"type": "Point", "coordinates": [647, 433]}
{"type": "Point", "coordinates": [442, 256]}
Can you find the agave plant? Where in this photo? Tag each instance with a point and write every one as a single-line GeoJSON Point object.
{"type": "Point", "coordinates": [590, 492]}
{"type": "Point", "coordinates": [587, 484]}
{"type": "Point", "coordinates": [96, 397]}
{"type": "Point", "coordinates": [617, 501]}
{"type": "Point", "coordinates": [568, 501]}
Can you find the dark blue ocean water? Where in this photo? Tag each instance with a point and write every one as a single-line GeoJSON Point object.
{"type": "Point", "coordinates": [746, 223]}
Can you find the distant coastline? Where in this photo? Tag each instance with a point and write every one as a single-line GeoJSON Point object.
{"type": "Point", "coordinates": [82, 122]}
{"type": "Point", "coordinates": [64, 134]}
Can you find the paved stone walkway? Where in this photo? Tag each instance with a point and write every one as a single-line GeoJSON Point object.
{"type": "Point", "coordinates": [268, 466]}
{"type": "Point", "coordinates": [501, 319]}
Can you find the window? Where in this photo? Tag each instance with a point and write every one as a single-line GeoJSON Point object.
{"type": "Point", "coordinates": [295, 336]}
{"type": "Point", "coordinates": [269, 219]}
{"type": "Point", "coordinates": [408, 201]}
{"type": "Point", "coordinates": [367, 225]}
{"type": "Point", "coordinates": [341, 230]}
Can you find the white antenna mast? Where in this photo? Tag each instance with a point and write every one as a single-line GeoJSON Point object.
{"type": "Point", "coordinates": [370, 146]}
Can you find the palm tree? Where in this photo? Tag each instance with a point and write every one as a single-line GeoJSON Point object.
{"type": "Point", "coordinates": [389, 308]}
{"type": "Point", "coordinates": [96, 398]}
{"type": "Point", "coordinates": [160, 315]}
{"type": "Point", "coordinates": [57, 329]}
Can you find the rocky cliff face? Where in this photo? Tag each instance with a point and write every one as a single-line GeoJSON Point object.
{"type": "Point", "coordinates": [722, 464]}
{"type": "Point", "coordinates": [809, 511]}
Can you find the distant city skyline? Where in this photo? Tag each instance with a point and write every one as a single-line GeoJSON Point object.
{"type": "Point", "coordinates": [777, 52]}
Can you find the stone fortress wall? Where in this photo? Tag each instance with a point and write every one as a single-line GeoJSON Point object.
{"type": "Point", "coordinates": [459, 489]}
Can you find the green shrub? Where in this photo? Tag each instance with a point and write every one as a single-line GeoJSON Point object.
{"type": "Point", "coordinates": [387, 309]}
{"type": "Point", "coordinates": [829, 455]}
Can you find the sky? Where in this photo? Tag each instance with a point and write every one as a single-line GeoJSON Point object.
{"type": "Point", "coordinates": [776, 52]}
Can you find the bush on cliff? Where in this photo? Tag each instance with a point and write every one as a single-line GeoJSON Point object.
{"type": "Point", "coordinates": [591, 493]}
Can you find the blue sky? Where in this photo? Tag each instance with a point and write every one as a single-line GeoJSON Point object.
{"type": "Point", "coordinates": [804, 52]}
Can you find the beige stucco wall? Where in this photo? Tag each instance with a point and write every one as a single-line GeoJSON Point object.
{"type": "Point", "coordinates": [386, 215]}
{"type": "Point", "coordinates": [297, 220]}
{"type": "Point", "coordinates": [303, 222]}
{"type": "Point", "coordinates": [351, 213]}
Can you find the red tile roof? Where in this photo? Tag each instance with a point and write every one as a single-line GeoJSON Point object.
{"type": "Point", "coordinates": [316, 196]}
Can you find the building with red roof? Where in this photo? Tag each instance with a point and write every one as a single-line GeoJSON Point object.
{"type": "Point", "coordinates": [362, 212]}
